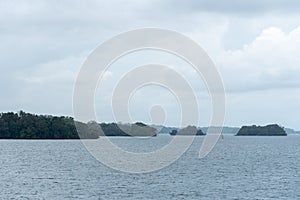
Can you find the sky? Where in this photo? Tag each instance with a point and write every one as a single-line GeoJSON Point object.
{"type": "Point", "coordinates": [254, 45]}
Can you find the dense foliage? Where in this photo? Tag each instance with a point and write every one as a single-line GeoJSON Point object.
{"type": "Point", "coordinates": [189, 130]}
{"type": "Point", "coordinates": [269, 130]}
{"type": "Point", "coordinates": [29, 126]}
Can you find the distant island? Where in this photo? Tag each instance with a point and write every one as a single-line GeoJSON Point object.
{"type": "Point", "coordinates": [269, 130]}
{"type": "Point", "coordinates": [137, 129]}
{"type": "Point", "coordinates": [189, 130]}
{"type": "Point", "coordinates": [23, 125]}
{"type": "Point", "coordinates": [225, 129]}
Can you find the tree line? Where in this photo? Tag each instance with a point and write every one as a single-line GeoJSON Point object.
{"type": "Point", "coordinates": [24, 125]}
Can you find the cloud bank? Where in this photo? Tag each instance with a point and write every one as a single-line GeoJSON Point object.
{"type": "Point", "coordinates": [254, 44]}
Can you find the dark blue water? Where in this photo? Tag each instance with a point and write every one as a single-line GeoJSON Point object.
{"type": "Point", "coordinates": [238, 168]}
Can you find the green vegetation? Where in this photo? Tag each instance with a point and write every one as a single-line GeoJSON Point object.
{"type": "Point", "coordinates": [29, 126]}
{"type": "Point", "coordinates": [269, 130]}
{"type": "Point", "coordinates": [189, 130]}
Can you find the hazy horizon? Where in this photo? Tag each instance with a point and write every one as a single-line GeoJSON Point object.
{"type": "Point", "coordinates": [167, 126]}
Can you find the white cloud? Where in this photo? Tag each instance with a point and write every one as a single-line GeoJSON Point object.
{"type": "Point", "coordinates": [44, 43]}
{"type": "Point", "coordinates": [270, 61]}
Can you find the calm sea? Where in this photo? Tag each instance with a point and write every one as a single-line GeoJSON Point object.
{"type": "Point", "coordinates": [238, 168]}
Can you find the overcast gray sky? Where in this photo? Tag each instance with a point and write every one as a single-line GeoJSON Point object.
{"type": "Point", "coordinates": [254, 44]}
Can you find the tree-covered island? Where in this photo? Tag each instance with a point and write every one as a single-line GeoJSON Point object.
{"type": "Point", "coordinates": [269, 130]}
{"type": "Point", "coordinates": [23, 125]}
{"type": "Point", "coordinates": [189, 130]}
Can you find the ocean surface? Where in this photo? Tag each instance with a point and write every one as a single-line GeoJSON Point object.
{"type": "Point", "coordinates": [237, 168]}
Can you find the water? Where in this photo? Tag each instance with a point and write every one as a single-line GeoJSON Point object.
{"type": "Point", "coordinates": [238, 168]}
